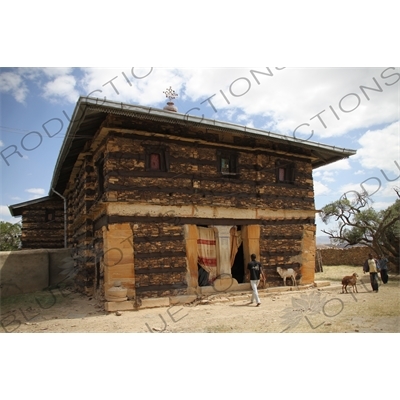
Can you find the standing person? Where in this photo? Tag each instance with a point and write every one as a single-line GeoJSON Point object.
{"type": "Point", "coordinates": [255, 272]}
{"type": "Point", "coordinates": [370, 266]}
{"type": "Point", "coordinates": [383, 267]}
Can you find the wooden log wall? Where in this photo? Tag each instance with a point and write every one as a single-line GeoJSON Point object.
{"type": "Point", "coordinates": [83, 196]}
{"type": "Point", "coordinates": [279, 245]}
{"type": "Point", "coordinates": [193, 177]}
{"type": "Point", "coordinates": [43, 225]}
{"type": "Point", "coordinates": [160, 260]}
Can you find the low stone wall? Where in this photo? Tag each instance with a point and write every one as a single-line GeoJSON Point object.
{"type": "Point", "coordinates": [27, 271]}
{"type": "Point", "coordinates": [350, 256]}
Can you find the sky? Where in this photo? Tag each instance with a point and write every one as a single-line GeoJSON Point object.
{"type": "Point", "coordinates": [352, 108]}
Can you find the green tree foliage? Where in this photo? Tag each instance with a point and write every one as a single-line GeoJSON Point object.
{"type": "Point", "coordinates": [359, 223]}
{"type": "Point", "coordinates": [10, 236]}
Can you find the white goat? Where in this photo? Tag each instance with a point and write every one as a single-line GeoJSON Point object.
{"type": "Point", "coordinates": [287, 273]}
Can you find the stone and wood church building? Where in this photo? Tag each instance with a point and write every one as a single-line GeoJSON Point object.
{"type": "Point", "coordinates": [168, 205]}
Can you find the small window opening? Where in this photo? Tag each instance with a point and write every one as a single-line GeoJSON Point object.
{"type": "Point", "coordinates": [156, 158]}
{"type": "Point", "coordinates": [285, 172]}
{"type": "Point", "coordinates": [225, 168]}
{"type": "Point", "coordinates": [50, 215]}
{"type": "Point", "coordinates": [155, 161]}
{"type": "Point", "coordinates": [227, 163]}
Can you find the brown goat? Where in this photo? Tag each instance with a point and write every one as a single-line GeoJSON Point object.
{"type": "Point", "coordinates": [349, 280]}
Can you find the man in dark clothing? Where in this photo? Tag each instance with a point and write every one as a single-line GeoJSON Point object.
{"type": "Point", "coordinates": [383, 268]}
{"type": "Point", "coordinates": [255, 272]}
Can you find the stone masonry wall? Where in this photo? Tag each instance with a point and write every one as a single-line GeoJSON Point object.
{"type": "Point", "coordinates": [351, 256]}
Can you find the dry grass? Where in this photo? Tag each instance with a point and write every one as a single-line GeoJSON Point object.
{"type": "Point", "coordinates": [335, 273]}
{"type": "Point", "coordinates": [385, 305]}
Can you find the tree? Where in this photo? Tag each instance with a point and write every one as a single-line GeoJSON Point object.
{"type": "Point", "coordinates": [359, 223]}
{"type": "Point", "coordinates": [10, 236]}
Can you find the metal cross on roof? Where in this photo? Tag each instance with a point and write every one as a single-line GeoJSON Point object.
{"type": "Point", "coordinates": [170, 93]}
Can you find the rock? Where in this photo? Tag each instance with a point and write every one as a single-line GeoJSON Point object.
{"type": "Point", "coordinates": [118, 313]}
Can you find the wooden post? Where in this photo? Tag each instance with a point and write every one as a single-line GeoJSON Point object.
{"type": "Point", "coordinates": [308, 248]}
{"type": "Point", "coordinates": [191, 237]}
{"type": "Point", "coordinates": [118, 257]}
{"type": "Point", "coordinates": [251, 245]}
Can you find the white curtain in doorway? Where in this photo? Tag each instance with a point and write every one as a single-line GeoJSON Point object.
{"type": "Point", "coordinates": [207, 251]}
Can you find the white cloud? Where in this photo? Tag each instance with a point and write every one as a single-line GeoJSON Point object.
{"type": "Point", "coordinates": [381, 205]}
{"type": "Point", "coordinates": [56, 71]}
{"type": "Point", "coordinates": [325, 176]}
{"type": "Point", "coordinates": [342, 91]}
{"type": "Point", "coordinates": [359, 172]}
{"type": "Point", "coordinates": [1, 144]}
{"type": "Point", "coordinates": [36, 192]}
{"type": "Point", "coordinates": [6, 216]}
{"type": "Point", "coordinates": [329, 173]}
{"type": "Point", "coordinates": [281, 102]}
{"type": "Point", "coordinates": [4, 210]}
{"type": "Point", "coordinates": [381, 149]}
{"type": "Point", "coordinates": [376, 187]}
{"type": "Point", "coordinates": [12, 83]}
{"type": "Point", "coordinates": [56, 84]}
{"type": "Point", "coordinates": [143, 86]}
{"type": "Point", "coordinates": [62, 88]}
{"type": "Point", "coordinates": [295, 96]}
{"type": "Point", "coordinates": [281, 99]}
{"type": "Point", "coordinates": [320, 188]}
{"type": "Point", "coordinates": [341, 165]}
{"type": "Point", "coordinates": [328, 176]}
{"type": "Point", "coordinates": [358, 187]}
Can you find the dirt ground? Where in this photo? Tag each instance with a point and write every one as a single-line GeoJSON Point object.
{"type": "Point", "coordinates": [312, 310]}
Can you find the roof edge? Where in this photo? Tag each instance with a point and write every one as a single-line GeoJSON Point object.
{"type": "Point", "coordinates": [14, 207]}
{"type": "Point", "coordinates": [102, 105]}
{"type": "Point", "coordinates": [150, 111]}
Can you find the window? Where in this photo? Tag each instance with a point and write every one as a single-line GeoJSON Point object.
{"type": "Point", "coordinates": [50, 215]}
{"type": "Point", "coordinates": [155, 161]}
{"type": "Point", "coordinates": [285, 172]}
{"type": "Point", "coordinates": [227, 163]}
{"type": "Point", "coordinates": [156, 158]}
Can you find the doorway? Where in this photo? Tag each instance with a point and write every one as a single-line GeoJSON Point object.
{"type": "Point", "coordinates": [238, 271]}
{"type": "Point", "coordinates": [250, 235]}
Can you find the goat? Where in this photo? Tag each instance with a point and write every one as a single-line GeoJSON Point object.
{"type": "Point", "coordinates": [349, 280]}
{"type": "Point", "coordinates": [287, 273]}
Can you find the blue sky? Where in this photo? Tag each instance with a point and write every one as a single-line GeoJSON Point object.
{"type": "Point", "coordinates": [353, 108]}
